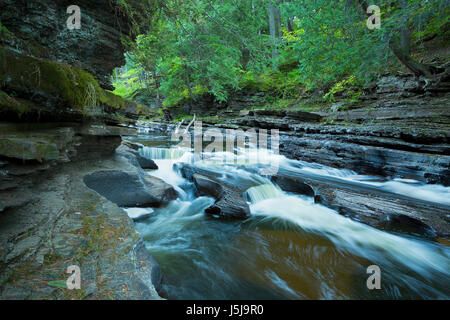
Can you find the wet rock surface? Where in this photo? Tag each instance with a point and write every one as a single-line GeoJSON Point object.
{"type": "Point", "coordinates": [51, 220]}
{"type": "Point", "coordinates": [229, 203]}
{"type": "Point", "coordinates": [375, 207]}
{"type": "Point", "coordinates": [123, 188]}
{"type": "Point", "coordinates": [229, 194]}
{"type": "Point", "coordinates": [68, 224]}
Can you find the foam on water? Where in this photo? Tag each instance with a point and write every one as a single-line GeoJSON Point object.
{"type": "Point", "coordinates": [358, 238]}
{"type": "Point", "coordinates": [407, 187]}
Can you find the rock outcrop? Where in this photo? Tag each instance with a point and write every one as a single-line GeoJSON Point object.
{"type": "Point", "coordinates": [395, 130]}
{"type": "Point", "coordinates": [51, 73]}
{"type": "Point", "coordinates": [96, 47]}
{"type": "Point", "coordinates": [54, 91]}
{"type": "Point", "coordinates": [51, 220]}
{"type": "Point", "coordinates": [68, 224]}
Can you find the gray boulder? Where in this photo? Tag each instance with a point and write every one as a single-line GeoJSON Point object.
{"type": "Point", "coordinates": [229, 202]}
{"type": "Point", "coordinates": [130, 189]}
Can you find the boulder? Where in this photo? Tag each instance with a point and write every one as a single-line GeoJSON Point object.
{"type": "Point", "coordinates": [229, 202]}
{"type": "Point", "coordinates": [130, 189]}
{"type": "Point", "coordinates": [146, 163]}
{"type": "Point", "coordinates": [132, 145]}
{"type": "Point", "coordinates": [159, 189]}
{"type": "Point", "coordinates": [130, 151]}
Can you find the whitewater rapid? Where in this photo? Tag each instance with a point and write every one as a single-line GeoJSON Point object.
{"type": "Point", "coordinates": [269, 204]}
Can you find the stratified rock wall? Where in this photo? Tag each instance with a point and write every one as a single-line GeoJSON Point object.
{"type": "Point", "coordinates": [96, 47]}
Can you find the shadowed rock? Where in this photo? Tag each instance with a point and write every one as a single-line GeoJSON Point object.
{"type": "Point", "coordinates": [146, 163]}
{"type": "Point", "coordinates": [230, 203]}
{"type": "Point", "coordinates": [291, 184]}
{"type": "Point", "coordinates": [129, 189]}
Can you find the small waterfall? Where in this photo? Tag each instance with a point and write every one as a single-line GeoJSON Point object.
{"type": "Point", "coordinates": [161, 153]}
{"type": "Point", "coordinates": [264, 192]}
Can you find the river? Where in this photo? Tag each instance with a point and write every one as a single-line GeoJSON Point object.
{"type": "Point", "coordinates": [291, 247]}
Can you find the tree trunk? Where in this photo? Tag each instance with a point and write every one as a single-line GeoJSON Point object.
{"type": "Point", "coordinates": [188, 82]}
{"type": "Point", "coordinates": [278, 20]}
{"type": "Point", "coordinates": [400, 46]}
{"type": "Point", "coordinates": [272, 25]}
{"type": "Point", "coordinates": [401, 52]}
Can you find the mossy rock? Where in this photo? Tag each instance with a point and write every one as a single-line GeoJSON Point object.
{"type": "Point", "coordinates": [11, 104]}
{"type": "Point", "coordinates": [43, 85]}
{"type": "Point", "coordinates": [21, 73]}
{"type": "Point", "coordinates": [110, 99]}
{"type": "Point", "coordinates": [28, 149]}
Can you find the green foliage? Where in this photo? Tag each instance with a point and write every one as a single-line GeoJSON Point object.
{"type": "Point", "coordinates": [332, 42]}
{"type": "Point", "coordinates": [198, 47]}
{"type": "Point", "coordinates": [349, 86]}
{"type": "Point", "coordinates": [128, 84]}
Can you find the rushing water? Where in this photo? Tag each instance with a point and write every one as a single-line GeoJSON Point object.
{"type": "Point", "coordinates": [291, 248]}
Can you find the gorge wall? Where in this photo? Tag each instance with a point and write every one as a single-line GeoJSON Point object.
{"type": "Point", "coordinates": [51, 73]}
{"type": "Point", "coordinates": [55, 108]}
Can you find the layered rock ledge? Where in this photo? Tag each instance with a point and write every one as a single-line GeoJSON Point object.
{"type": "Point", "coordinates": [50, 219]}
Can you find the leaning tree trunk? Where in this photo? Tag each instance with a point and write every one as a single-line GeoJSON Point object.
{"type": "Point", "coordinates": [400, 46]}
{"type": "Point", "coordinates": [419, 69]}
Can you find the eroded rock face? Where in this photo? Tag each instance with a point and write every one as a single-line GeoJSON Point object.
{"type": "Point", "coordinates": [50, 220]}
{"type": "Point", "coordinates": [27, 150]}
{"type": "Point", "coordinates": [96, 47]}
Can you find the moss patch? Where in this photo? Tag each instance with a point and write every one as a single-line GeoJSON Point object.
{"type": "Point", "coordinates": [9, 103]}
{"type": "Point", "coordinates": [68, 88]}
